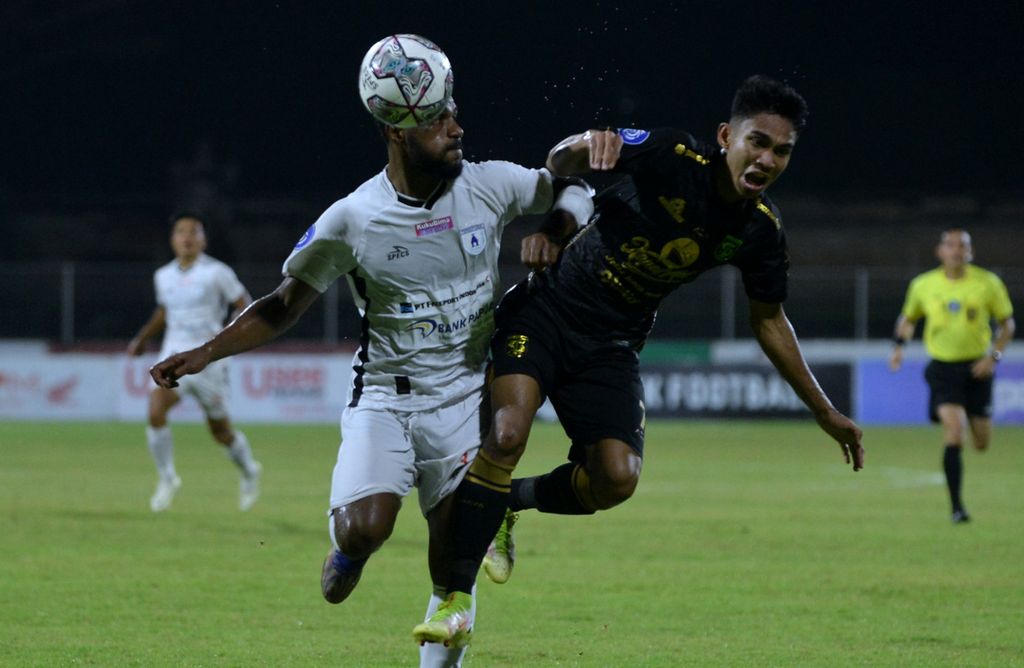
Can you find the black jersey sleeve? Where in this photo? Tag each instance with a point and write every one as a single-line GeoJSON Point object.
{"type": "Point", "coordinates": [764, 263]}
{"type": "Point", "coordinates": [638, 146]}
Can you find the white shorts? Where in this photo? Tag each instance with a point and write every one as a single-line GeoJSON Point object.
{"type": "Point", "coordinates": [210, 389]}
{"type": "Point", "coordinates": [384, 450]}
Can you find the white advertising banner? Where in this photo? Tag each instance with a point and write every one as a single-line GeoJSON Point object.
{"type": "Point", "coordinates": [59, 387]}
{"type": "Point", "coordinates": [263, 387]}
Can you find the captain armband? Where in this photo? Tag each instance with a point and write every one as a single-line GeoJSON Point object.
{"type": "Point", "coordinates": [575, 197]}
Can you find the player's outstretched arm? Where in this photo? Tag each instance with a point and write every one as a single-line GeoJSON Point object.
{"type": "Point", "coordinates": [778, 340]}
{"type": "Point", "coordinates": [153, 327]}
{"type": "Point", "coordinates": [264, 320]}
{"type": "Point", "coordinates": [590, 151]}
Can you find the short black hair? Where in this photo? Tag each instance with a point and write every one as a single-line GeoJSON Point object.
{"type": "Point", "coordinates": [761, 94]}
{"type": "Point", "coordinates": [178, 215]}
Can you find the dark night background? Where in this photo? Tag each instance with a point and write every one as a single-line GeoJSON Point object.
{"type": "Point", "coordinates": [104, 96]}
{"type": "Point", "coordinates": [117, 113]}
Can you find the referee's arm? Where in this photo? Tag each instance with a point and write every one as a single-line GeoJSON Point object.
{"type": "Point", "coordinates": [903, 332]}
{"type": "Point", "coordinates": [986, 366]}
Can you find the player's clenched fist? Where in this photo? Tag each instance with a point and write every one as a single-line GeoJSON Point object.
{"type": "Point", "coordinates": [605, 146]}
{"type": "Point", "coordinates": [167, 372]}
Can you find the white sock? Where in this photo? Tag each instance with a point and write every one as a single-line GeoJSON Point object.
{"type": "Point", "coordinates": [241, 454]}
{"type": "Point", "coordinates": [436, 655]}
{"type": "Point", "coordinates": [161, 446]}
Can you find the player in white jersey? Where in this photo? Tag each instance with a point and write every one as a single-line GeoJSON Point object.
{"type": "Point", "coordinates": [193, 294]}
{"type": "Point", "coordinates": [418, 245]}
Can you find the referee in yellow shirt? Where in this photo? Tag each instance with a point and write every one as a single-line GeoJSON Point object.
{"type": "Point", "coordinates": [958, 301]}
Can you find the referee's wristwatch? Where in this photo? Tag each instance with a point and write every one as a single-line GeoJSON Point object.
{"type": "Point", "coordinates": [997, 355]}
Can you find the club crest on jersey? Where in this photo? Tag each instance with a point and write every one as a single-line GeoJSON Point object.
{"type": "Point", "coordinates": [434, 226]}
{"type": "Point", "coordinates": [473, 239]}
{"type": "Point", "coordinates": [727, 249]}
{"type": "Point", "coordinates": [307, 237]}
{"type": "Point", "coordinates": [632, 136]}
{"type": "Point", "coordinates": [516, 345]}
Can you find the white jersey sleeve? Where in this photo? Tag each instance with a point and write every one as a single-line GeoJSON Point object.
{"type": "Point", "coordinates": [228, 284]}
{"type": "Point", "coordinates": [327, 249]}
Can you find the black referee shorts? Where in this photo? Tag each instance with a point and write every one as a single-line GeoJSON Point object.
{"type": "Point", "coordinates": [593, 385]}
{"type": "Point", "coordinates": [952, 383]}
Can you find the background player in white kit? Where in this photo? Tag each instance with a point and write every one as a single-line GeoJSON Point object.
{"type": "Point", "coordinates": [418, 245]}
{"type": "Point", "coordinates": [194, 293]}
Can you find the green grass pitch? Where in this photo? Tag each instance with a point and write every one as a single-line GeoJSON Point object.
{"type": "Point", "coordinates": [746, 544]}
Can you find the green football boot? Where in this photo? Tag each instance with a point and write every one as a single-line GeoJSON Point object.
{"type": "Point", "coordinates": [450, 625]}
{"type": "Point", "coordinates": [501, 553]}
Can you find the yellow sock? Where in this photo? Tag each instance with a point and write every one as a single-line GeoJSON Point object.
{"type": "Point", "coordinates": [490, 474]}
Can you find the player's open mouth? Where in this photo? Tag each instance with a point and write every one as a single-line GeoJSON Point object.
{"type": "Point", "coordinates": [755, 180]}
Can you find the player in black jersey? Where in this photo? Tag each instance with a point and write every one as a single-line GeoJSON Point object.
{"type": "Point", "coordinates": [572, 332]}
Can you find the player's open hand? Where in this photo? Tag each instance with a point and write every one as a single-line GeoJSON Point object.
{"type": "Point", "coordinates": [167, 372]}
{"type": "Point", "coordinates": [605, 147]}
{"type": "Point", "coordinates": [847, 434]}
{"type": "Point", "coordinates": [538, 250]}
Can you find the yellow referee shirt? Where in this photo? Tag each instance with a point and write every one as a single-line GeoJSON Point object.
{"type": "Point", "coordinates": [957, 312]}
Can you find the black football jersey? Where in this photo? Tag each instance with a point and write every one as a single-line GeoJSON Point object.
{"type": "Point", "coordinates": [659, 227]}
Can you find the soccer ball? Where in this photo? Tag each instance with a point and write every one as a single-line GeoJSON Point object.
{"type": "Point", "coordinates": [405, 81]}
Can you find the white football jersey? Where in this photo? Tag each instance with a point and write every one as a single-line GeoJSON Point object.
{"type": "Point", "coordinates": [424, 277]}
{"type": "Point", "coordinates": [195, 301]}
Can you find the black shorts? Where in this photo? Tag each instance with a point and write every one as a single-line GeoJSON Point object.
{"type": "Point", "coordinates": [593, 385]}
{"type": "Point", "coordinates": [952, 383]}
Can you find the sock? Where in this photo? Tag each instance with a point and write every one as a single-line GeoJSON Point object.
{"type": "Point", "coordinates": [161, 446]}
{"type": "Point", "coordinates": [436, 655]}
{"type": "Point", "coordinates": [241, 454]}
{"type": "Point", "coordinates": [953, 465]}
{"type": "Point", "coordinates": [480, 502]}
{"type": "Point", "coordinates": [563, 491]}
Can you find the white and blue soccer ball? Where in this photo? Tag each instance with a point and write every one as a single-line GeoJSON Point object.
{"type": "Point", "coordinates": [405, 81]}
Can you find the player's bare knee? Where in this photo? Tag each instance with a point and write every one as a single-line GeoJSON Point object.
{"type": "Point", "coordinates": [362, 527]}
{"type": "Point", "coordinates": [509, 436]}
{"type": "Point", "coordinates": [224, 436]}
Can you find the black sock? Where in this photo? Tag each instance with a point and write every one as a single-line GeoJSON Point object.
{"type": "Point", "coordinates": [953, 465]}
{"type": "Point", "coordinates": [557, 492]}
{"type": "Point", "coordinates": [479, 507]}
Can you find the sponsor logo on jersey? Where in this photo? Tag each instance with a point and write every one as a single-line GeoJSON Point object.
{"type": "Point", "coordinates": [429, 326]}
{"type": "Point", "coordinates": [405, 307]}
{"type": "Point", "coordinates": [473, 239]}
{"type": "Point", "coordinates": [674, 207]}
{"type": "Point", "coordinates": [954, 306]}
{"type": "Point", "coordinates": [633, 136]}
{"type": "Point", "coordinates": [424, 327]}
{"type": "Point", "coordinates": [397, 252]}
{"type": "Point", "coordinates": [517, 345]}
{"type": "Point", "coordinates": [307, 237]}
{"type": "Point", "coordinates": [450, 300]}
{"type": "Point", "coordinates": [434, 226]}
